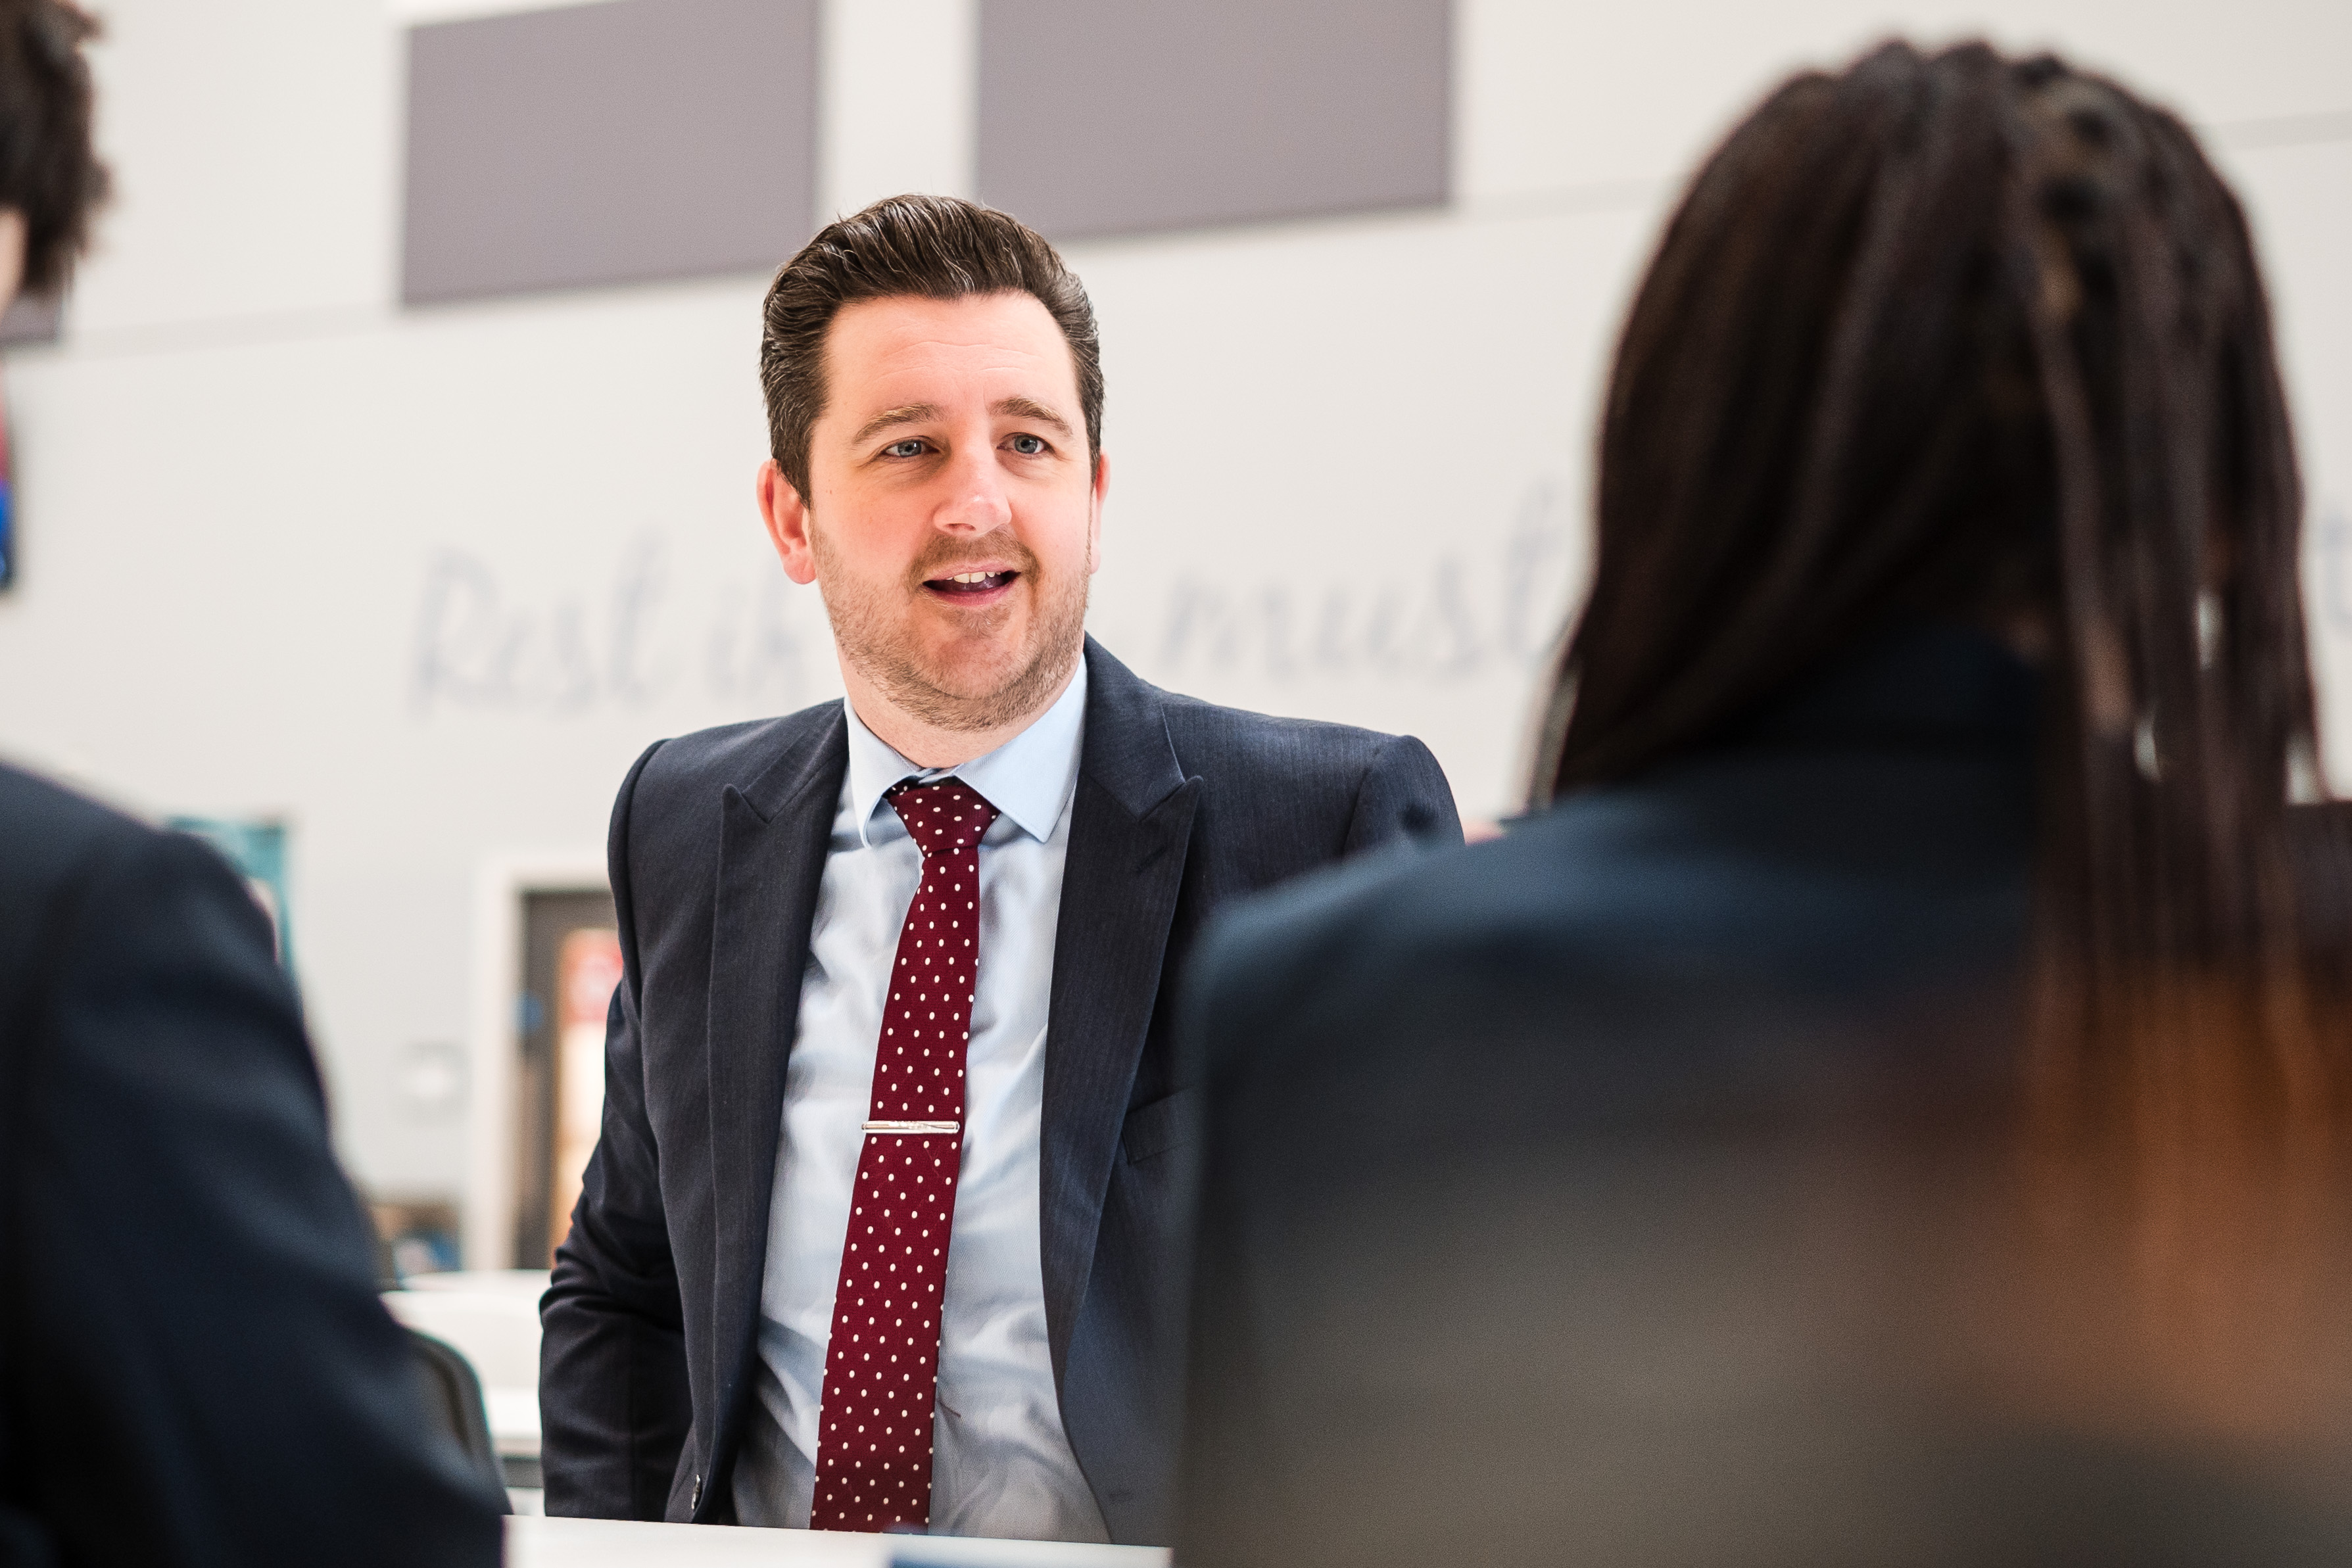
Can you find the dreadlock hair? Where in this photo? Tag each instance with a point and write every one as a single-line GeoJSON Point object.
{"type": "Point", "coordinates": [1956, 335]}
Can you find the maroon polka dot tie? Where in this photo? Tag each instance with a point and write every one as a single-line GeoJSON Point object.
{"type": "Point", "coordinates": [881, 1365]}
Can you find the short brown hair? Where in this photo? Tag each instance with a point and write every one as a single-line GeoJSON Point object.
{"type": "Point", "coordinates": [927, 247]}
{"type": "Point", "coordinates": [48, 171]}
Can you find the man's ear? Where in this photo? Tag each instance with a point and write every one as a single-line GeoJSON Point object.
{"type": "Point", "coordinates": [786, 514]}
{"type": "Point", "coordinates": [1101, 491]}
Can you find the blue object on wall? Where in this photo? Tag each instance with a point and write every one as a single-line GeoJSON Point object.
{"type": "Point", "coordinates": [8, 501]}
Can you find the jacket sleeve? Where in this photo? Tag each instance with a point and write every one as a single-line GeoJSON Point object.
{"type": "Point", "coordinates": [203, 1372]}
{"type": "Point", "coordinates": [1404, 795]}
{"type": "Point", "coordinates": [615, 1403]}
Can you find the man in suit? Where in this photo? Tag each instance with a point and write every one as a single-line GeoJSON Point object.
{"type": "Point", "coordinates": [810, 1086]}
{"type": "Point", "coordinates": [195, 1367]}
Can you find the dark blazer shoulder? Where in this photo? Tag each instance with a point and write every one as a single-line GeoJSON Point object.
{"type": "Point", "coordinates": [670, 800]}
{"type": "Point", "coordinates": [742, 755]}
{"type": "Point", "coordinates": [1667, 890]}
{"type": "Point", "coordinates": [1297, 770]}
{"type": "Point", "coordinates": [59, 850]}
{"type": "Point", "coordinates": [49, 834]}
{"type": "Point", "coordinates": [1270, 956]}
{"type": "Point", "coordinates": [1583, 876]}
{"type": "Point", "coordinates": [1277, 749]}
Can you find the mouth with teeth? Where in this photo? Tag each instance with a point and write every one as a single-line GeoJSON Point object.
{"type": "Point", "coordinates": [971, 587]}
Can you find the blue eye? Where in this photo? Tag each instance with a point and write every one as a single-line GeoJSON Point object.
{"type": "Point", "coordinates": [1028, 446]}
{"type": "Point", "coordinates": [903, 449]}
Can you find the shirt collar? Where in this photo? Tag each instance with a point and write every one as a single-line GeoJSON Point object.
{"type": "Point", "coordinates": [1029, 779]}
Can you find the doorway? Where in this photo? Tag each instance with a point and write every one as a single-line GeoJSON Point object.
{"type": "Point", "coordinates": [570, 962]}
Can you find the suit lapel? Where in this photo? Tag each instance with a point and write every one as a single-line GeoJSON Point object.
{"type": "Point", "coordinates": [773, 839]}
{"type": "Point", "coordinates": [1131, 826]}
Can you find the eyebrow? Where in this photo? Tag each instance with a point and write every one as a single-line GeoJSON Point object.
{"type": "Point", "coordinates": [1025, 408]}
{"type": "Point", "coordinates": [905, 413]}
{"type": "Point", "coordinates": [915, 412]}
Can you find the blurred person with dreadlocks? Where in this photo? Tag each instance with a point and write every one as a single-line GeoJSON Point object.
{"type": "Point", "coordinates": [195, 1367]}
{"type": "Point", "coordinates": [1878, 1109]}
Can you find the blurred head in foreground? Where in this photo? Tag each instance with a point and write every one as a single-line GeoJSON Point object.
{"type": "Point", "coordinates": [51, 179]}
{"type": "Point", "coordinates": [1880, 1111]}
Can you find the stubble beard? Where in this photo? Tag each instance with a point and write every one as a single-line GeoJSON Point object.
{"type": "Point", "coordinates": [867, 628]}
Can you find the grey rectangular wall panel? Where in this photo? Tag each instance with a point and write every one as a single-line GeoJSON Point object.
{"type": "Point", "coordinates": [608, 143]}
{"type": "Point", "coordinates": [1102, 117]}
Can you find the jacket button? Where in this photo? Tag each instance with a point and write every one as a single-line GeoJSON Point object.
{"type": "Point", "coordinates": [695, 1500]}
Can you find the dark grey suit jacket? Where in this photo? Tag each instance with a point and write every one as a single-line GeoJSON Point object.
{"type": "Point", "coordinates": [718, 845]}
{"type": "Point", "coordinates": [194, 1364]}
{"type": "Point", "coordinates": [1596, 1196]}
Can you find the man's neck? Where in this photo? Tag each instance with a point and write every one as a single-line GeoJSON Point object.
{"type": "Point", "coordinates": [930, 745]}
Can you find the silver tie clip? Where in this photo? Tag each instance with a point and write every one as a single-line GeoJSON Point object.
{"type": "Point", "coordinates": [916, 1127]}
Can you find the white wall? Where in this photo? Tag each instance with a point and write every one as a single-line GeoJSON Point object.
{"type": "Point", "coordinates": [426, 582]}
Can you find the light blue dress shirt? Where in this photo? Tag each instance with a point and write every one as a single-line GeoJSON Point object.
{"type": "Point", "coordinates": [1000, 1463]}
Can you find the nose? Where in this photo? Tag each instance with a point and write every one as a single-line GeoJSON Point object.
{"type": "Point", "coordinates": [975, 501]}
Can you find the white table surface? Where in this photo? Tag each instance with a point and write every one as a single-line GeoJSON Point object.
{"type": "Point", "coordinates": [492, 1318]}
{"type": "Point", "coordinates": [616, 1543]}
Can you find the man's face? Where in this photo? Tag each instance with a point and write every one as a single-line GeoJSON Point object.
{"type": "Point", "coordinates": [952, 514]}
